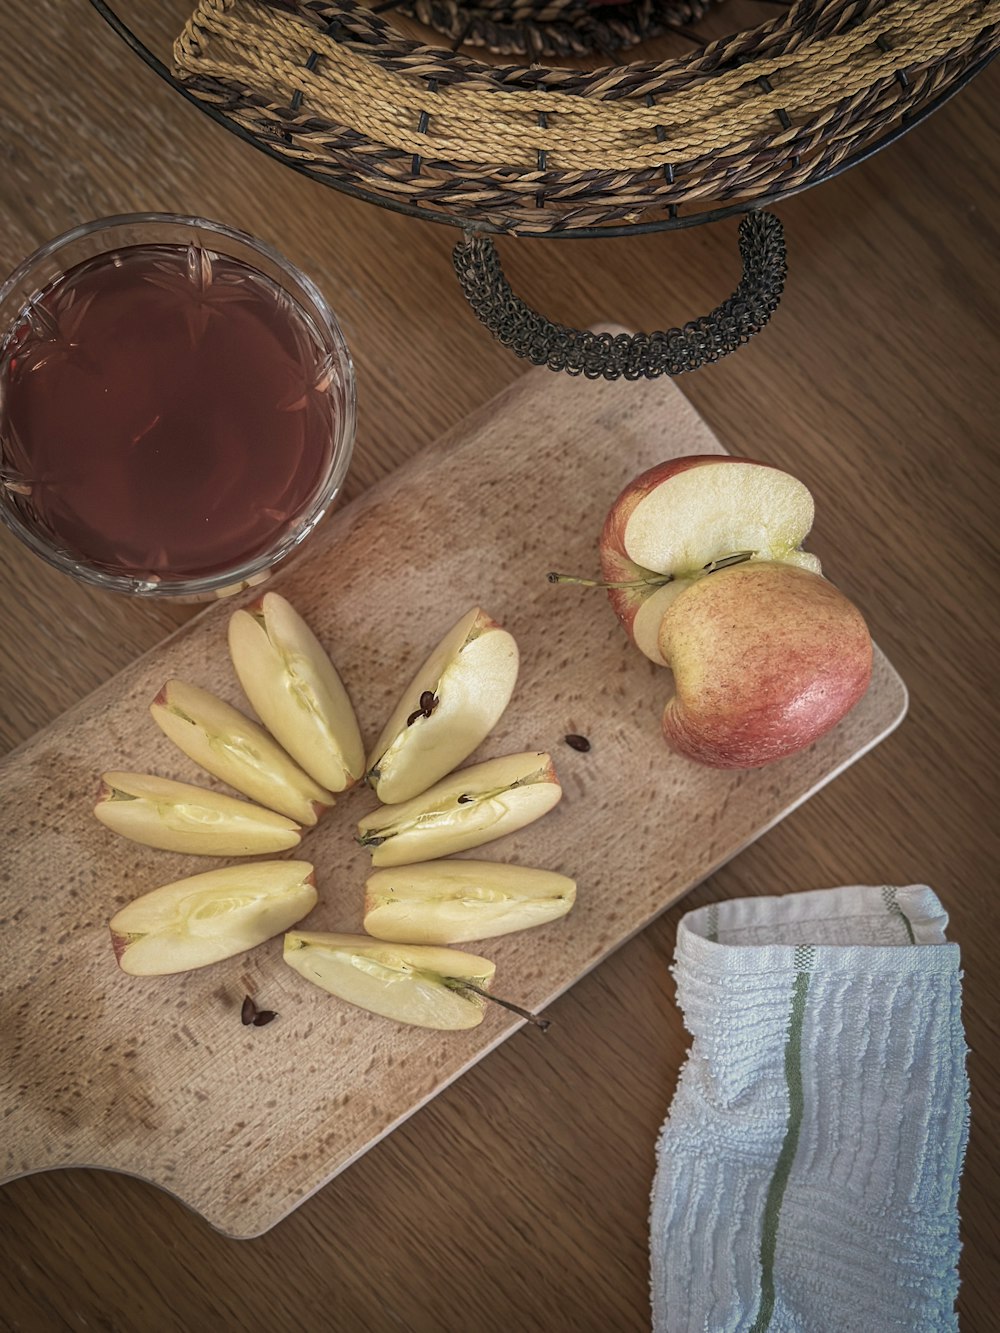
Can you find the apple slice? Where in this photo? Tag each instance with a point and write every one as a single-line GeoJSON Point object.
{"type": "Point", "coordinates": [447, 710]}
{"type": "Point", "coordinates": [411, 983]}
{"type": "Point", "coordinates": [296, 692]}
{"type": "Point", "coordinates": [448, 902]}
{"type": "Point", "coordinates": [473, 806]}
{"type": "Point", "coordinates": [766, 659]}
{"type": "Point", "coordinates": [201, 920]}
{"type": "Point", "coordinates": [178, 817]}
{"type": "Point", "coordinates": [238, 751]}
{"type": "Point", "coordinates": [687, 518]}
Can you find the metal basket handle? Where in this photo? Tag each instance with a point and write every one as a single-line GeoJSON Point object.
{"type": "Point", "coordinates": [632, 356]}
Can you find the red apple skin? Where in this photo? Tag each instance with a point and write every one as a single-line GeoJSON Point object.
{"type": "Point", "coordinates": [625, 602]}
{"type": "Point", "coordinates": [766, 659]}
{"type": "Point", "coordinates": [549, 773]}
{"type": "Point", "coordinates": [616, 567]}
{"type": "Point", "coordinates": [120, 943]}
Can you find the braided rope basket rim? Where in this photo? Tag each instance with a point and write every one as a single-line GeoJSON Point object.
{"type": "Point", "coordinates": [332, 88]}
{"type": "Point", "coordinates": [535, 150]}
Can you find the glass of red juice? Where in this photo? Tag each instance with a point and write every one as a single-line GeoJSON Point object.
{"type": "Point", "coordinates": [177, 406]}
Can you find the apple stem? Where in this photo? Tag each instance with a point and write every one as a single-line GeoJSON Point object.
{"type": "Point", "coordinates": [660, 581]}
{"type": "Point", "coordinates": [543, 1024]}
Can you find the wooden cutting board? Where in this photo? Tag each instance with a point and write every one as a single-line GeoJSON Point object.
{"type": "Point", "coordinates": [157, 1077]}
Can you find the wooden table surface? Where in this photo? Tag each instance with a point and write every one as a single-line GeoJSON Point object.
{"type": "Point", "coordinates": [518, 1199]}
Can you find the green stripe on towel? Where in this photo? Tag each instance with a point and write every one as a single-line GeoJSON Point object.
{"type": "Point", "coordinates": [783, 1167]}
{"type": "Point", "coordinates": [712, 928]}
{"type": "Point", "coordinates": [893, 908]}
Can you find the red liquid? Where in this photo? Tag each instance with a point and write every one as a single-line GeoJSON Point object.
{"type": "Point", "coordinates": [167, 412]}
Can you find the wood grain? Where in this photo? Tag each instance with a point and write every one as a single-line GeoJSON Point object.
{"type": "Point", "coordinates": [522, 1190]}
{"type": "Point", "coordinates": [149, 1076]}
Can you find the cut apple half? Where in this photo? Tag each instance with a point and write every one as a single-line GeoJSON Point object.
{"type": "Point", "coordinates": [473, 806]}
{"type": "Point", "coordinates": [206, 918]}
{"type": "Point", "coordinates": [766, 658]}
{"type": "Point", "coordinates": [689, 518]}
{"type": "Point", "coordinates": [238, 751]}
{"type": "Point", "coordinates": [296, 692]}
{"type": "Point", "coordinates": [449, 902]}
{"type": "Point", "coordinates": [179, 817]}
{"type": "Point", "coordinates": [447, 710]}
{"type": "Point", "coordinates": [415, 984]}
{"type": "Point", "coordinates": [683, 515]}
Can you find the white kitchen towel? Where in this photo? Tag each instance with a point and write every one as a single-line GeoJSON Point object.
{"type": "Point", "coordinates": [807, 1176]}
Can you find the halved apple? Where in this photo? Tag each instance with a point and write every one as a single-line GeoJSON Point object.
{"type": "Point", "coordinates": [206, 918]}
{"type": "Point", "coordinates": [766, 659]}
{"type": "Point", "coordinates": [448, 902]}
{"type": "Point", "coordinates": [179, 817]}
{"type": "Point", "coordinates": [238, 751]}
{"type": "Point", "coordinates": [688, 518]}
{"type": "Point", "coordinates": [447, 710]}
{"type": "Point", "coordinates": [296, 692]}
{"type": "Point", "coordinates": [473, 806]}
{"type": "Point", "coordinates": [414, 983]}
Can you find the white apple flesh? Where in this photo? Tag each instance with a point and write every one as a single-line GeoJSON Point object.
{"type": "Point", "coordinates": [766, 659]}
{"type": "Point", "coordinates": [238, 751]}
{"type": "Point", "coordinates": [473, 806]}
{"type": "Point", "coordinates": [296, 692]}
{"type": "Point", "coordinates": [179, 817]}
{"type": "Point", "coordinates": [414, 984]}
{"type": "Point", "coordinates": [206, 918]}
{"type": "Point", "coordinates": [449, 902]}
{"type": "Point", "coordinates": [648, 616]}
{"type": "Point", "coordinates": [448, 709]}
{"type": "Point", "coordinates": [672, 525]}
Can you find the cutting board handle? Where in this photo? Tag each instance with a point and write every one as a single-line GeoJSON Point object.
{"type": "Point", "coordinates": [632, 356]}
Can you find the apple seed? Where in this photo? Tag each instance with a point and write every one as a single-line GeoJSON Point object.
{"type": "Point", "coordinates": [258, 1017]}
{"type": "Point", "coordinates": [428, 702]}
{"type": "Point", "coordinates": [724, 561]}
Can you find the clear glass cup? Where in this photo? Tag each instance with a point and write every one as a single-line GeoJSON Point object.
{"type": "Point", "coordinates": [203, 241]}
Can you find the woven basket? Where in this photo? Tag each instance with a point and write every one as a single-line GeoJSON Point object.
{"type": "Point", "coordinates": [333, 89]}
{"type": "Point", "coordinates": [552, 28]}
